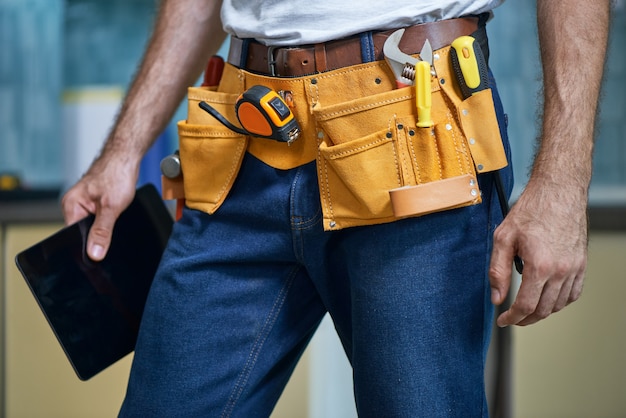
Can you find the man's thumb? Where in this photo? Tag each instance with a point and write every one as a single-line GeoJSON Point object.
{"type": "Point", "coordinates": [100, 234]}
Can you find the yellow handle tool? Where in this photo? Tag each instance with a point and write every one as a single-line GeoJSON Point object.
{"type": "Point", "coordinates": [423, 94]}
{"type": "Point", "coordinates": [469, 65]}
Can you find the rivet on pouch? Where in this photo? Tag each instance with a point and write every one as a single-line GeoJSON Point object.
{"type": "Point", "coordinates": [472, 182]}
{"type": "Point", "coordinates": [332, 224]}
{"type": "Point", "coordinates": [400, 126]}
{"type": "Point", "coordinates": [436, 56]}
{"type": "Point", "coordinates": [448, 127]}
{"type": "Point", "coordinates": [480, 167]}
{"type": "Point", "coordinates": [411, 132]}
{"type": "Point", "coordinates": [320, 134]}
{"type": "Point", "coordinates": [474, 192]}
{"type": "Point", "coordinates": [314, 81]}
{"type": "Point", "coordinates": [472, 141]}
{"type": "Point", "coordinates": [442, 81]}
{"type": "Point", "coordinates": [465, 112]}
{"type": "Point", "coordinates": [389, 135]}
{"type": "Point", "coordinates": [378, 80]}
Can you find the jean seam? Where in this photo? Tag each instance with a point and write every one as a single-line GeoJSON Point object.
{"type": "Point", "coordinates": [300, 223]}
{"type": "Point", "coordinates": [257, 346]}
{"type": "Point", "coordinates": [487, 330]}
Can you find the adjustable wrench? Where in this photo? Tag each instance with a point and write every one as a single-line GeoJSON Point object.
{"type": "Point", "coordinates": [402, 64]}
{"type": "Point", "coordinates": [409, 70]}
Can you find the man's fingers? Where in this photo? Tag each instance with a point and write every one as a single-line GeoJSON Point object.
{"type": "Point", "coordinates": [500, 269]}
{"type": "Point", "coordinates": [100, 233]}
{"type": "Point", "coordinates": [577, 288]}
{"type": "Point", "coordinates": [73, 209]}
{"type": "Point", "coordinates": [538, 299]}
{"type": "Point", "coordinates": [564, 296]}
{"type": "Point", "coordinates": [525, 304]}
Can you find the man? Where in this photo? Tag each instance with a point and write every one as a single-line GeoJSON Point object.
{"type": "Point", "coordinates": [240, 292]}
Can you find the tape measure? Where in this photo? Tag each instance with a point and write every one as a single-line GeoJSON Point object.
{"type": "Point", "coordinates": [261, 112]}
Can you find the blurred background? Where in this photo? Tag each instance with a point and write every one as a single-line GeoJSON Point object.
{"type": "Point", "coordinates": [64, 68]}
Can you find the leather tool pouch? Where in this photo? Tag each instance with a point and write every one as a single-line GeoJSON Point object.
{"type": "Point", "coordinates": [376, 165]}
{"type": "Point", "coordinates": [210, 153]}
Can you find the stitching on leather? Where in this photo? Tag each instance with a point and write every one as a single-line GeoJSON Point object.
{"type": "Point", "coordinates": [351, 151]}
{"type": "Point", "coordinates": [404, 171]}
{"type": "Point", "coordinates": [455, 141]}
{"type": "Point", "coordinates": [437, 153]}
{"type": "Point", "coordinates": [395, 161]}
{"type": "Point", "coordinates": [367, 106]}
{"type": "Point", "coordinates": [466, 152]}
{"type": "Point", "coordinates": [194, 97]}
{"type": "Point", "coordinates": [416, 166]}
{"type": "Point", "coordinates": [204, 133]}
{"type": "Point", "coordinates": [322, 164]}
{"type": "Point", "coordinates": [234, 168]}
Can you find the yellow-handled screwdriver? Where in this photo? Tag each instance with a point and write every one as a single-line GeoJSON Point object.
{"type": "Point", "coordinates": [423, 95]}
{"type": "Point", "coordinates": [469, 65]}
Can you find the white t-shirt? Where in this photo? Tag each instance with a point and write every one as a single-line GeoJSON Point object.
{"type": "Point", "coordinates": [299, 22]}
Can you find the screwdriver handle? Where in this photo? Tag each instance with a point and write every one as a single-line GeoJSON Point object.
{"type": "Point", "coordinates": [469, 65]}
{"type": "Point", "coordinates": [423, 95]}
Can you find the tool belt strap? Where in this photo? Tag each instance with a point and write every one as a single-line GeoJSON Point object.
{"type": "Point", "coordinates": [305, 60]}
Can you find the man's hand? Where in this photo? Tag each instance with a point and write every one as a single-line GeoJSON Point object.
{"type": "Point", "coordinates": [105, 191]}
{"type": "Point", "coordinates": [547, 228]}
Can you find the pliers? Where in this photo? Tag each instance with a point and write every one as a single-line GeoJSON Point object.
{"type": "Point", "coordinates": [403, 65]}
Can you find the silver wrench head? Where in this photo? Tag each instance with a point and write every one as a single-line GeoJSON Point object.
{"type": "Point", "coordinates": [426, 54]}
{"type": "Point", "coordinates": [392, 51]}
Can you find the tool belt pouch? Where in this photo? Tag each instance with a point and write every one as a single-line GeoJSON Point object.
{"type": "Point", "coordinates": [210, 153]}
{"type": "Point", "coordinates": [376, 165]}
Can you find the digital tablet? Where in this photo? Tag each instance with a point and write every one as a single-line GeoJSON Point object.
{"type": "Point", "coordinates": [94, 308]}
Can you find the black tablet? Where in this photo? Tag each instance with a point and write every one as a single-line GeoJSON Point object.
{"type": "Point", "coordinates": [94, 308]}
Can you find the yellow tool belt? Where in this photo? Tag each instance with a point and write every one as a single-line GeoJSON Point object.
{"type": "Point", "coordinates": [374, 164]}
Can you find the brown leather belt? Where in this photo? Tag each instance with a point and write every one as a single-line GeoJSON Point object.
{"type": "Point", "coordinates": [310, 59]}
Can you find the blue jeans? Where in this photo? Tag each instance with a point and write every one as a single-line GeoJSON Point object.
{"type": "Point", "coordinates": [240, 293]}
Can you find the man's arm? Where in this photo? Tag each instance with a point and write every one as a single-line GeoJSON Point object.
{"type": "Point", "coordinates": [547, 226]}
{"type": "Point", "coordinates": [186, 34]}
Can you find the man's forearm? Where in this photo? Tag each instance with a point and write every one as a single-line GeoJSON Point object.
{"type": "Point", "coordinates": [573, 38]}
{"type": "Point", "coordinates": [186, 34]}
{"type": "Point", "coordinates": [547, 226]}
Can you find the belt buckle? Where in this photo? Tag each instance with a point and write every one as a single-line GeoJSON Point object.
{"type": "Point", "coordinates": [271, 60]}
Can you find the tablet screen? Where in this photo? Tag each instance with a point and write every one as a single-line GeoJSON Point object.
{"type": "Point", "coordinates": [94, 308]}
